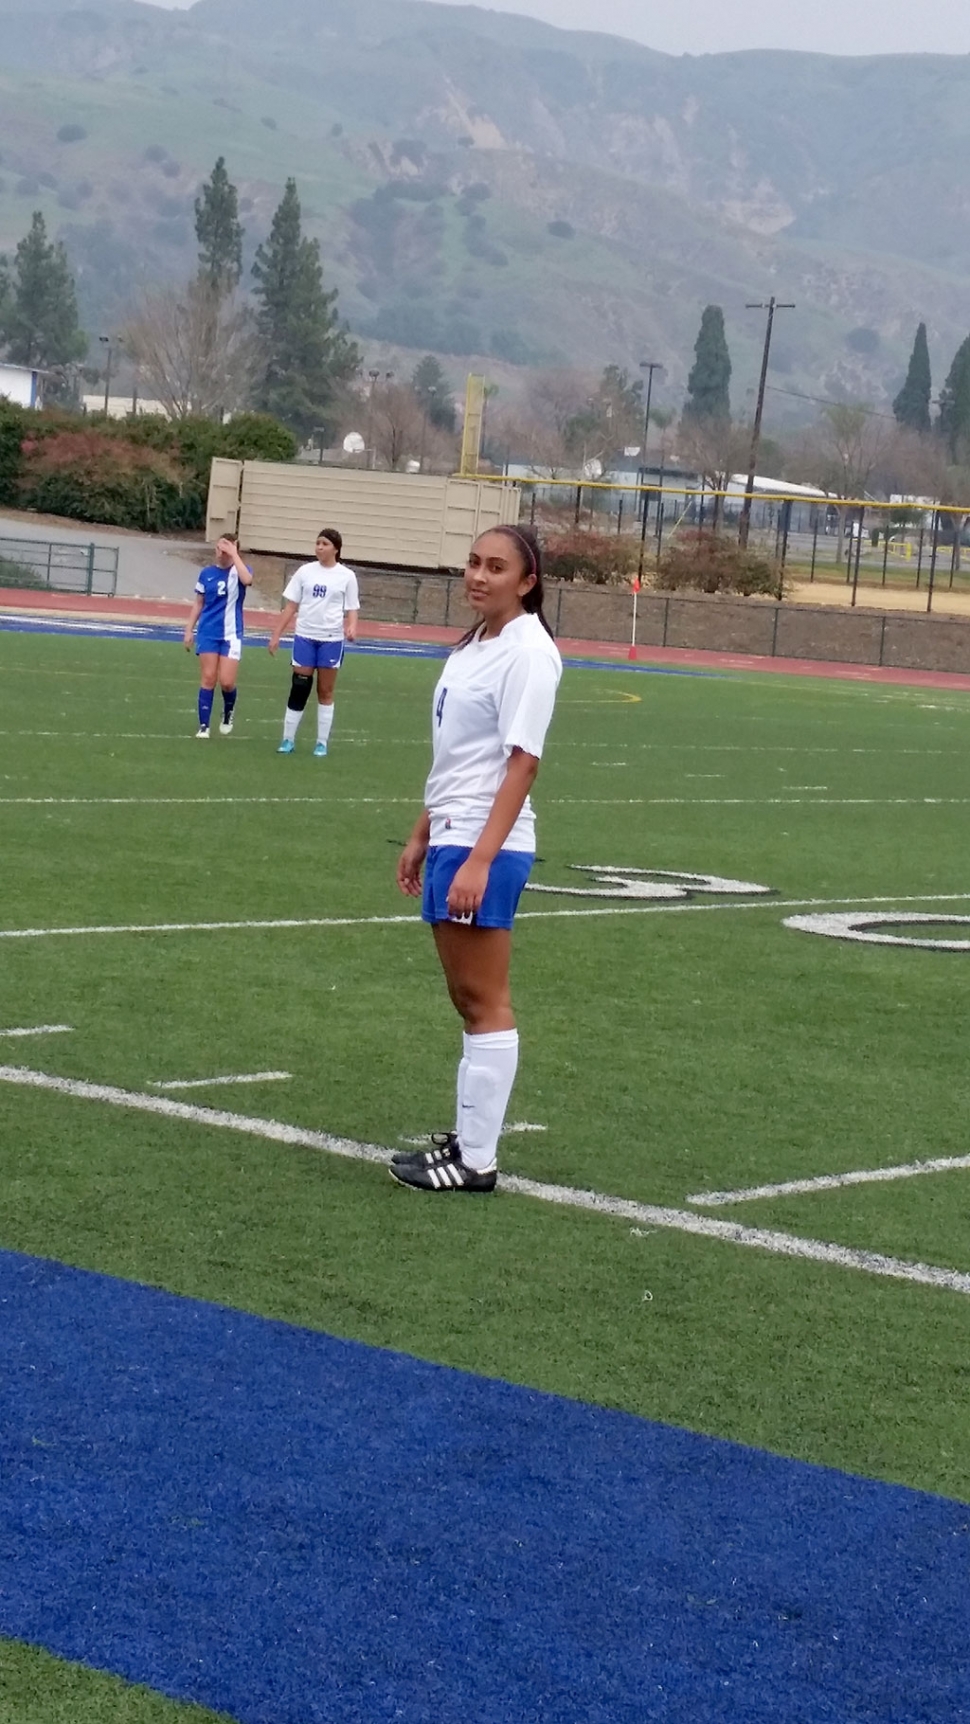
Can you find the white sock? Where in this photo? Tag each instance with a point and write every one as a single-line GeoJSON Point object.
{"type": "Point", "coordinates": [324, 722]}
{"type": "Point", "coordinates": [291, 724]}
{"type": "Point", "coordinates": [460, 1091]}
{"type": "Point", "coordinates": [492, 1060]}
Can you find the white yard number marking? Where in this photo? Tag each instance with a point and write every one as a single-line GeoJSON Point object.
{"type": "Point", "coordinates": [623, 882]}
{"type": "Point", "coordinates": [864, 926]}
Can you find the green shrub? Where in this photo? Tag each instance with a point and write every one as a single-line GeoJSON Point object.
{"type": "Point", "coordinates": [713, 563]}
{"type": "Point", "coordinates": [602, 559]}
{"type": "Point", "coordinates": [12, 420]}
{"type": "Point", "coordinates": [90, 477]}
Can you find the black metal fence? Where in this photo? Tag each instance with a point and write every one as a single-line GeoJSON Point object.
{"type": "Point", "coordinates": [59, 568]}
{"type": "Point", "coordinates": [914, 543]}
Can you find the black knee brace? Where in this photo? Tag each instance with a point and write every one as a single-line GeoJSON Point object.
{"type": "Point", "coordinates": [299, 692]}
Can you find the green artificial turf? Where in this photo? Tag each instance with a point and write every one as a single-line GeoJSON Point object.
{"type": "Point", "coordinates": [665, 1053]}
{"type": "Point", "coordinates": [36, 1688]}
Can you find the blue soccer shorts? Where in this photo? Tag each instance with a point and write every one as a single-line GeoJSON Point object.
{"type": "Point", "coordinates": [317, 655]}
{"type": "Point", "coordinates": [506, 879]}
{"type": "Point", "coordinates": [224, 648]}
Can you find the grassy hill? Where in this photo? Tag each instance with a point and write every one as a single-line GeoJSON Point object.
{"type": "Point", "coordinates": [488, 186]}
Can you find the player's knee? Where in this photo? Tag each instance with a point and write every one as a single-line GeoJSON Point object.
{"type": "Point", "coordinates": [299, 692]}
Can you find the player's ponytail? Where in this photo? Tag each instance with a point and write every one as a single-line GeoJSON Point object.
{"type": "Point", "coordinates": [528, 543]}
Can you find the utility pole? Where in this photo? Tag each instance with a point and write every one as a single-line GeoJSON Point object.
{"type": "Point", "coordinates": [772, 306]}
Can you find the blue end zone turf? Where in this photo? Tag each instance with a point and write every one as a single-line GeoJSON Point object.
{"type": "Point", "coordinates": [297, 1529]}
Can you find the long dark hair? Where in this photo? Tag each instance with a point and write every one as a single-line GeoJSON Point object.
{"type": "Point", "coordinates": [531, 551]}
{"type": "Point", "coordinates": [336, 539]}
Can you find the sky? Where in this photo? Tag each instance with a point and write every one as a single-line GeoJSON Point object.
{"type": "Point", "coordinates": [717, 26]}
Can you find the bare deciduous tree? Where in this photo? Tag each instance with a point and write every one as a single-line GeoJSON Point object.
{"type": "Point", "coordinates": [195, 348]}
{"type": "Point", "coordinates": [841, 453]}
{"type": "Point", "coordinates": [716, 448]}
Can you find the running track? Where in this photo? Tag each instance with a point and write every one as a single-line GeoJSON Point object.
{"type": "Point", "coordinates": [73, 609]}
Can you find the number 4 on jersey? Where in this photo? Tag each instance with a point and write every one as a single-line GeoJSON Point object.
{"type": "Point", "coordinates": [439, 709]}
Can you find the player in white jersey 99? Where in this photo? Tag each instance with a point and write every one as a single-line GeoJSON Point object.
{"type": "Point", "coordinates": [323, 599]}
{"type": "Point", "coordinates": [475, 840]}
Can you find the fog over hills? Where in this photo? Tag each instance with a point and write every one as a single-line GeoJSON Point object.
{"type": "Point", "coordinates": [489, 186]}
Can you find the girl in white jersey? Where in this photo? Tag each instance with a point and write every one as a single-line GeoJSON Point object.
{"type": "Point", "coordinates": [323, 598]}
{"type": "Point", "coordinates": [476, 839]}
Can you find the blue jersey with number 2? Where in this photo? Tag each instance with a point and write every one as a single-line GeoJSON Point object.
{"type": "Point", "coordinates": [223, 595]}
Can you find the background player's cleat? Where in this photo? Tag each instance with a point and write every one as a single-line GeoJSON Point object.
{"type": "Point", "coordinates": [203, 730]}
{"type": "Point", "coordinates": [225, 728]}
{"type": "Point", "coordinates": [286, 746]}
{"type": "Point", "coordinates": [444, 1147]}
{"type": "Point", "coordinates": [320, 750]}
{"type": "Point", "coordinates": [448, 1174]}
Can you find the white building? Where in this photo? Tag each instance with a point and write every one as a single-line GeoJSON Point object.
{"type": "Point", "coordinates": [121, 406]}
{"type": "Point", "coordinates": [20, 384]}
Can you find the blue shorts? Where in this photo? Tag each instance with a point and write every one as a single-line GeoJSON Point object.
{"type": "Point", "coordinates": [317, 655]}
{"type": "Point", "coordinates": [225, 649]}
{"type": "Point", "coordinates": [506, 878]}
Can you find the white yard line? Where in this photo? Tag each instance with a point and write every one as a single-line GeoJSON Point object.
{"type": "Point", "coordinates": [41, 1030]}
{"type": "Point", "coordinates": [210, 1082]}
{"type": "Point", "coordinates": [830, 1181]}
{"type": "Point", "coordinates": [675, 1220]}
{"type": "Point", "coordinates": [415, 921]}
{"type": "Point", "coordinates": [553, 801]}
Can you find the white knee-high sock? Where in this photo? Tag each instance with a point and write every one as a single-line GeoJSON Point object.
{"type": "Point", "coordinates": [291, 724]}
{"type": "Point", "coordinates": [324, 722]}
{"type": "Point", "coordinates": [460, 1091]}
{"type": "Point", "coordinates": [492, 1060]}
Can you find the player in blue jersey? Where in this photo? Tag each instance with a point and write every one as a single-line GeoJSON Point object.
{"type": "Point", "coordinates": [216, 622]}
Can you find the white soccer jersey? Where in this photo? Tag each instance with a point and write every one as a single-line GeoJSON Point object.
{"type": "Point", "coordinates": [492, 696]}
{"type": "Point", "coordinates": [323, 596]}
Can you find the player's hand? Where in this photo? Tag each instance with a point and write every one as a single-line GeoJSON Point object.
{"type": "Point", "coordinates": [467, 889]}
{"type": "Point", "coordinates": [226, 548]}
{"type": "Point", "coordinates": [272, 647]}
{"type": "Point", "coordinates": [410, 864]}
{"type": "Point", "coordinates": [187, 641]}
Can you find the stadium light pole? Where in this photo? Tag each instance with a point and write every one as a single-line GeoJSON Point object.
{"type": "Point", "coordinates": [771, 307]}
{"type": "Point", "coordinates": [106, 340]}
{"type": "Point", "coordinates": [649, 366]}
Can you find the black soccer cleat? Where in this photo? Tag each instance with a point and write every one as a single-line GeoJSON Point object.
{"type": "Point", "coordinates": [444, 1146]}
{"type": "Point", "coordinates": [445, 1173]}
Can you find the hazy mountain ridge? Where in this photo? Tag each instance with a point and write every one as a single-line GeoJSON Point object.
{"type": "Point", "coordinates": [841, 184]}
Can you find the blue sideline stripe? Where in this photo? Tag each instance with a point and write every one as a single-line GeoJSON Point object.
{"type": "Point", "coordinates": [302, 1530]}
{"type": "Point", "coordinates": [379, 649]}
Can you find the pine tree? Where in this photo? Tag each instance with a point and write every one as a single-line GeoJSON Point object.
{"type": "Point", "coordinates": [305, 353]}
{"type": "Point", "coordinates": [38, 311]}
{"type": "Point", "coordinates": [218, 231]}
{"type": "Point", "coordinates": [708, 394]}
{"type": "Point", "coordinates": [912, 405]}
{"type": "Point", "coordinates": [431, 386]}
{"type": "Point", "coordinates": [955, 402]}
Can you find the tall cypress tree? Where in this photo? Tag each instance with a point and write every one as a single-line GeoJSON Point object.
{"type": "Point", "coordinates": [306, 354]}
{"type": "Point", "coordinates": [39, 309]}
{"type": "Point", "coordinates": [708, 386]}
{"type": "Point", "coordinates": [218, 231]}
{"type": "Point", "coordinates": [955, 401]}
{"type": "Point", "coordinates": [912, 404]}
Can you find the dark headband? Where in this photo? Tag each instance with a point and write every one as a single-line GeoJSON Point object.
{"type": "Point", "coordinates": [521, 539]}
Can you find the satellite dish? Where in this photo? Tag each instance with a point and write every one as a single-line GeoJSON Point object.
{"type": "Point", "coordinates": [593, 469]}
{"type": "Point", "coordinates": [354, 443]}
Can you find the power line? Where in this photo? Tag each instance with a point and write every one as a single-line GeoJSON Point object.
{"type": "Point", "coordinates": [822, 401]}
